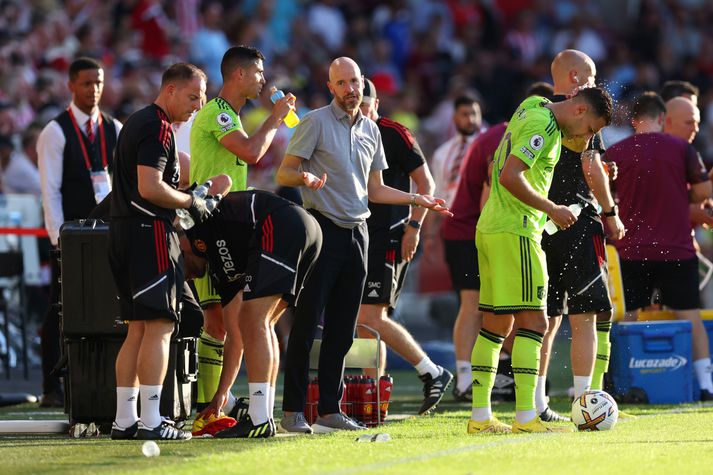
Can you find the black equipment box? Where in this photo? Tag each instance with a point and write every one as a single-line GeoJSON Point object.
{"type": "Point", "coordinates": [93, 332]}
{"type": "Point", "coordinates": [91, 380]}
{"type": "Point", "coordinates": [90, 306]}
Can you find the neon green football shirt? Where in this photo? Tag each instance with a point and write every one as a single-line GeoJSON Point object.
{"type": "Point", "coordinates": [534, 137]}
{"type": "Point", "coordinates": [208, 156]}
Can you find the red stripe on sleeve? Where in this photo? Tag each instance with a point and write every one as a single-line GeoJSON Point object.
{"type": "Point", "coordinates": [270, 233]}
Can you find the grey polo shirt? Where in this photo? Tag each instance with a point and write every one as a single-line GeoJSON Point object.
{"type": "Point", "coordinates": [329, 143]}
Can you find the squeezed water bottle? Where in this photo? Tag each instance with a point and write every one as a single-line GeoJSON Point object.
{"type": "Point", "coordinates": [291, 118]}
{"type": "Point", "coordinates": [551, 227]}
{"type": "Point", "coordinates": [185, 217]}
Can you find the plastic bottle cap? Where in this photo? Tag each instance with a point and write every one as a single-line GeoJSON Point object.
{"type": "Point", "coordinates": [277, 95]}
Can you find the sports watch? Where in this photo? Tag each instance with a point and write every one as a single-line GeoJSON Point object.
{"type": "Point", "coordinates": [613, 212]}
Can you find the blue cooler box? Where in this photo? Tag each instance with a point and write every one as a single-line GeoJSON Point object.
{"type": "Point", "coordinates": [655, 357]}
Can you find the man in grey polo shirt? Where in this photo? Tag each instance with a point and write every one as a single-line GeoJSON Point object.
{"type": "Point", "coordinates": [336, 156]}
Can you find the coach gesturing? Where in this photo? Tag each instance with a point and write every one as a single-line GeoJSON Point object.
{"type": "Point", "coordinates": [336, 156]}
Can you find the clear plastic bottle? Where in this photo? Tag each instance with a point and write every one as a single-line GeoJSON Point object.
{"type": "Point", "coordinates": [551, 227]}
{"type": "Point", "coordinates": [185, 217]}
{"type": "Point", "coordinates": [291, 119]}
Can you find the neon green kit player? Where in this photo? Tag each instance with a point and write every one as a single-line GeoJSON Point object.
{"type": "Point", "coordinates": [513, 270]}
{"type": "Point", "coordinates": [219, 145]}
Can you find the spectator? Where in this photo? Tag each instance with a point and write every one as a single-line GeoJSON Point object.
{"type": "Point", "coordinates": [675, 88]}
{"type": "Point", "coordinates": [20, 173]}
{"type": "Point", "coordinates": [210, 43]}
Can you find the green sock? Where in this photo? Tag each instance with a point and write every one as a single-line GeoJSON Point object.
{"type": "Point", "coordinates": [525, 367]}
{"type": "Point", "coordinates": [484, 360]}
{"type": "Point", "coordinates": [210, 364]}
{"type": "Point", "coordinates": [601, 364]}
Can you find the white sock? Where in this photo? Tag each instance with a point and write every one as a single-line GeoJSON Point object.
{"type": "Point", "coordinates": [271, 403]}
{"type": "Point", "coordinates": [259, 397]}
{"type": "Point", "coordinates": [525, 416]}
{"type": "Point", "coordinates": [464, 375]}
{"type": "Point", "coordinates": [540, 396]}
{"type": "Point", "coordinates": [702, 368]}
{"type": "Point", "coordinates": [232, 401]}
{"type": "Point", "coordinates": [481, 414]}
{"type": "Point", "coordinates": [427, 366]}
{"type": "Point", "coordinates": [126, 402]}
{"type": "Point", "coordinates": [581, 385]}
{"type": "Point", "coordinates": [150, 402]}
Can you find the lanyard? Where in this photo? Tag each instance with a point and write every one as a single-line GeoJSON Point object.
{"type": "Point", "coordinates": [102, 140]}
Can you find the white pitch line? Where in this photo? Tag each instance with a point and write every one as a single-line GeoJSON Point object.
{"type": "Point", "coordinates": [477, 447]}
{"type": "Point", "coordinates": [440, 453]}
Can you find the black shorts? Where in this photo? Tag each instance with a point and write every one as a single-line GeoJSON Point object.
{"type": "Point", "coordinates": [281, 254]}
{"type": "Point", "coordinates": [385, 270]}
{"type": "Point", "coordinates": [677, 281]}
{"type": "Point", "coordinates": [147, 265]}
{"type": "Point", "coordinates": [578, 276]}
{"type": "Point", "coordinates": [462, 260]}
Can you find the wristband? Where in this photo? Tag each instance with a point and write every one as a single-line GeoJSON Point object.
{"type": "Point", "coordinates": [413, 199]}
{"type": "Point", "coordinates": [613, 212]}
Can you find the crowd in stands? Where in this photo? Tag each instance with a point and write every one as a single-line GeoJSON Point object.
{"type": "Point", "coordinates": [420, 53]}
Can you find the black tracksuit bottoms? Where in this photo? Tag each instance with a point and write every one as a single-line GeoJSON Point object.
{"type": "Point", "coordinates": [334, 289]}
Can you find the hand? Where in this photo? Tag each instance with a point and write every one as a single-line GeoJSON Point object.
{"type": "Point", "coordinates": [215, 406]}
{"type": "Point", "coordinates": [312, 181]}
{"type": "Point", "coordinates": [702, 213]}
{"type": "Point", "coordinates": [283, 106]}
{"type": "Point", "coordinates": [562, 216]}
{"type": "Point", "coordinates": [199, 209]}
{"type": "Point", "coordinates": [409, 243]}
{"type": "Point", "coordinates": [616, 227]}
{"type": "Point", "coordinates": [612, 170]}
{"type": "Point", "coordinates": [434, 204]}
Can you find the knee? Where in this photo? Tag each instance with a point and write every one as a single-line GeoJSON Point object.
{"type": "Point", "coordinates": [607, 316]}
{"type": "Point", "coordinates": [499, 326]}
{"type": "Point", "coordinates": [540, 325]}
{"type": "Point", "coordinates": [372, 316]}
{"type": "Point", "coordinates": [213, 321]}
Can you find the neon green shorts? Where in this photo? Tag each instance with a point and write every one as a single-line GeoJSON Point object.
{"type": "Point", "coordinates": [207, 294]}
{"type": "Point", "coordinates": [513, 273]}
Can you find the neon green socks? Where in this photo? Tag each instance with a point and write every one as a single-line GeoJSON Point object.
{"type": "Point", "coordinates": [210, 364]}
{"type": "Point", "coordinates": [601, 364]}
{"type": "Point", "coordinates": [525, 367]}
{"type": "Point", "coordinates": [484, 360]}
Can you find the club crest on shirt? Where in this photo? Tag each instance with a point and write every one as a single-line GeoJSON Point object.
{"type": "Point", "coordinates": [537, 141]}
{"type": "Point", "coordinates": [200, 245]}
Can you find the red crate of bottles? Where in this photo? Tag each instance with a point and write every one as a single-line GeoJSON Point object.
{"type": "Point", "coordinates": [359, 400]}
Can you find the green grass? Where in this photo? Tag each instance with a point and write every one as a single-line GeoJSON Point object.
{"type": "Point", "coordinates": [662, 440]}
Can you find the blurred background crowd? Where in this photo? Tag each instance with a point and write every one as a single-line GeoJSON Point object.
{"type": "Point", "coordinates": [419, 53]}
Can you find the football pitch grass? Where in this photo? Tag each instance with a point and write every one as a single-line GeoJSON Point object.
{"type": "Point", "coordinates": [661, 440]}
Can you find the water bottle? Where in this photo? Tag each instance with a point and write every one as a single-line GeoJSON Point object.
{"type": "Point", "coordinates": [291, 118]}
{"type": "Point", "coordinates": [185, 217]}
{"type": "Point", "coordinates": [551, 227]}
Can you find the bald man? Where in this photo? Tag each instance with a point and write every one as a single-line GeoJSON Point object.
{"type": "Point", "coordinates": [575, 257]}
{"type": "Point", "coordinates": [682, 118]}
{"type": "Point", "coordinates": [335, 157]}
{"type": "Point", "coordinates": [571, 70]}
